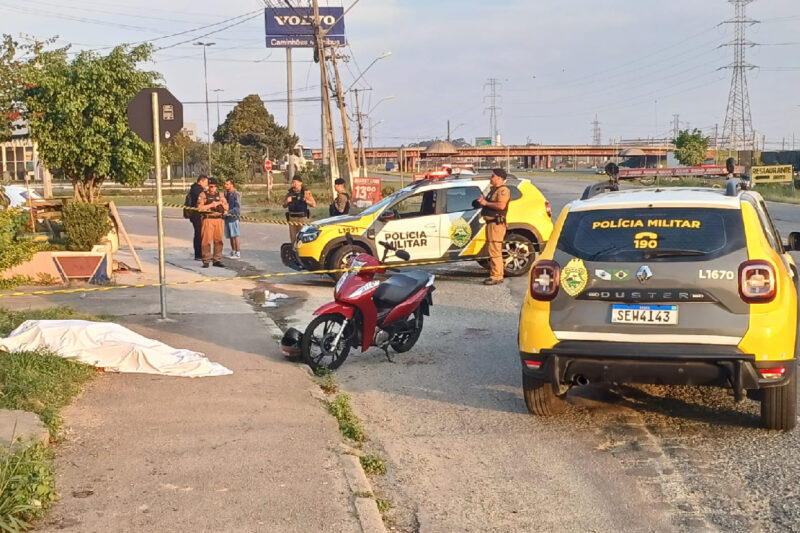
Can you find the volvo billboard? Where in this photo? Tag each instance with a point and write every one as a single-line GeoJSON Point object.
{"type": "Point", "coordinates": [292, 27]}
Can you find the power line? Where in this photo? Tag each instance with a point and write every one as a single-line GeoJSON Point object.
{"type": "Point", "coordinates": [737, 131]}
{"type": "Point", "coordinates": [493, 85]}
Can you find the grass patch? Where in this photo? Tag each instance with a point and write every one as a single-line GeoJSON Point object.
{"type": "Point", "coordinates": [27, 488]}
{"type": "Point", "coordinates": [349, 424]}
{"type": "Point", "coordinates": [10, 320]}
{"type": "Point", "coordinates": [383, 505]}
{"type": "Point", "coordinates": [326, 381]}
{"type": "Point", "coordinates": [41, 382]}
{"type": "Point", "coordinates": [373, 465]}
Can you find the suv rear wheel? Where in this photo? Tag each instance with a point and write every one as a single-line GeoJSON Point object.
{"type": "Point", "coordinates": [540, 397]}
{"type": "Point", "coordinates": [779, 405]}
{"type": "Point", "coordinates": [519, 253]}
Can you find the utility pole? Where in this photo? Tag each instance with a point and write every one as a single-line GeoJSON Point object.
{"type": "Point", "coordinates": [738, 127]}
{"type": "Point", "coordinates": [348, 143]}
{"type": "Point", "coordinates": [218, 91]}
{"type": "Point", "coordinates": [328, 142]}
{"type": "Point", "coordinates": [362, 158]}
{"type": "Point", "coordinates": [290, 116]}
{"type": "Point", "coordinates": [208, 120]}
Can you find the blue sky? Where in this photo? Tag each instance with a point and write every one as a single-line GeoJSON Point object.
{"type": "Point", "coordinates": [633, 63]}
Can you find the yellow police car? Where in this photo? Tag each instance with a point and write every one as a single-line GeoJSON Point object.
{"type": "Point", "coordinates": [671, 286]}
{"type": "Point", "coordinates": [432, 219]}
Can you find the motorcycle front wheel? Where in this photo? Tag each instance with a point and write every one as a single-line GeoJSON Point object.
{"type": "Point", "coordinates": [320, 347]}
{"type": "Point", "coordinates": [407, 338]}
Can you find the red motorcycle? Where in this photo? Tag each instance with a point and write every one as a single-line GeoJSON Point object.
{"type": "Point", "coordinates": [368, 312]}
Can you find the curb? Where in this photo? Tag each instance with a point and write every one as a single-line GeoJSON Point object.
{"type": "Point", "coordinates": [369, 517]}
{"type": "Point", "coordinates": [366, 508]}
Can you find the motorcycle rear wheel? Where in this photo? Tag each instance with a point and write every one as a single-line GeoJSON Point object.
{"type": "Point", "coordinates": [403, 342]}
{"type": "Point", "coordinates": [317, 345]}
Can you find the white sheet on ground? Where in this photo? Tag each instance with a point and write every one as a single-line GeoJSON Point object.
{"type": "Point", "coordinates": [109, 346]}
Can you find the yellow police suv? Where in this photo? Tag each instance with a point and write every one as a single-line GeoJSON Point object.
{"type": "Point", "coordinates": [432, 219]}
{"type": "Point", "coordinates": [674, 286]}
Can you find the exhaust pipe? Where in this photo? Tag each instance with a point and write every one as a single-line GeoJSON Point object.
{"type": "Point", "coordinates": [582, 380]}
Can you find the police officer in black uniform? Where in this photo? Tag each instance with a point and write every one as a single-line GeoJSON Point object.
{"type": "Point", "coordinates": [297, 203]}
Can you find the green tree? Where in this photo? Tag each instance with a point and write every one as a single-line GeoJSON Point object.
{"type": "Point", "coordinates": [691, 147]}
{"type": "Point", "coordinates": [9, 86]}
{"type": "Point", "coordinates": [177, 150]}
{"type": "Point", "coordinates": [77, 113]}
{"type": "Point", "coordinates": [228, 161]}
{"type": "Point", "coordinates": [252, 126]}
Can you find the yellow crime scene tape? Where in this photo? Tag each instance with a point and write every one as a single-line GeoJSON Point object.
{"type": "Point", "coordinates": [235, 278]}
{"type": "Point", "coordinates": [254, 220]}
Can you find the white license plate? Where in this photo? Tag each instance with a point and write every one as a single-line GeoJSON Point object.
{"type": "Point", "coordinates": [652, 315]}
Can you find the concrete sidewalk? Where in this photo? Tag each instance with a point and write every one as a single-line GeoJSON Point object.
{"type": "Point", "coordinates": [254, 451]}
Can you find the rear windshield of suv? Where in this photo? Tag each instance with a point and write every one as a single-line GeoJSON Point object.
{"type": "Point", "coordinates": [652, 234]}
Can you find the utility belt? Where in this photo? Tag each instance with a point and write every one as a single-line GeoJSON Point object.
{"type": "Point", "coordinates": [499, 219]}
{"type": "Point", "coordinates": [291, 214]}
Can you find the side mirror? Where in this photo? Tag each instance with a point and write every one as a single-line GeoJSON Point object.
{"type": "Point", "coordinates": [402, 254]}
{"type": "Point", "coordinates": [386, 216]}
{"type": "Point", "coordinates": [793, 242]}
{"type": "Point", "coordinates": [348, 238]}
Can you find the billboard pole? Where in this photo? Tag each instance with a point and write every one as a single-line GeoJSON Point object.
{"type": "Point", "coordinates": [290, 116]}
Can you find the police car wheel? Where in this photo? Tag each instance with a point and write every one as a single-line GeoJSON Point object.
{"type": "Point", "coordinates": [779, 405]}
{"type": "Point", "coordinates": [340, 257]}
{"type": "Point", "coordinates": [519, 253]}
{"type": "Point", "coordinates": [541, 399]}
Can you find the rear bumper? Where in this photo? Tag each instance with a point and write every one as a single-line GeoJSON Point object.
{"type": "Point", "coordinates": [571, 362]}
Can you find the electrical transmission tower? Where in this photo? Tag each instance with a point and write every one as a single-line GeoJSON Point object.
{"type": "Point", "coordinates": [492, 108]}
{"type": "Point", "coordinates": [676, 126]}
{"type": "Point", "coordinates": [737, 132]}
{"type": "Point", "coordinates": [597, 135]}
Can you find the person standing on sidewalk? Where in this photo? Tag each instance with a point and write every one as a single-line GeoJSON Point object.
{"type": "Point", "coordinates": [214, 207]}
{"type": "Point", "coordinates": [341, 204]}
{"type": "Point", "coordinates": [297, 202]}
{"type": "Point", "coordinates": [495, 209]}
{"type": "Point", "coordinates": [234, 199]}
{"type": "Point", "coordinates": [194, 217]}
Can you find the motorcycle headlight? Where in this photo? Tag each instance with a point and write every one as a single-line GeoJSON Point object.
{"type": "Point", "coordinates": [308, 234]}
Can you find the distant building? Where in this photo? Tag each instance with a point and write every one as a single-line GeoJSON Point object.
{"type": "Point", "coordinates": [190, 130]}
{"type": "Point", "coordinates": [19, 159]}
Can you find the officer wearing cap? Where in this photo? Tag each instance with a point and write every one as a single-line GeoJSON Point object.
{"type": "Point", "coordinates": [494, 211]}
{"type": "Point", "coordinates": [214, 206]}
{"type": "Point", "coordinates": [297, 202]}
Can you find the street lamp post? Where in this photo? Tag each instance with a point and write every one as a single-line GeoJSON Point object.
{"type": "Point", "coordinates": [208, 119]}
{"type": "Point", "coordinates": [382, 56]}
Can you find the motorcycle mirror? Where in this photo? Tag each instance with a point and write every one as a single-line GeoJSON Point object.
{"type": "Point", "coordinates": [612, 169]}
{"type": "Point", "coordinates": [348, 238]}
{"type": "Point", "coordinates": [402, 254]}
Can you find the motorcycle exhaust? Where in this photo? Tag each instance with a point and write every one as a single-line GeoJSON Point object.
{"type": "Point", "coordinates": [582, 380]}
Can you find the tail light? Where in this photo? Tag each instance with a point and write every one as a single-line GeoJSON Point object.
{"type": "Point", "coordinates": [757, 282]}
{"type": "Point", "coordinates": [772, 373]}
{"type": "Point", "coordinates": [545, 277]}
{"type": "Point", "coordinates": [547, 208]}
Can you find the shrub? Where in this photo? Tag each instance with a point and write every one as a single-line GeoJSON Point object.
{"type": "Point", "coordinates": [13, 251]}
{"type": "Point", "coordinates": [86, 224]}
{"type": "Point", "coordinates": [27, 487]}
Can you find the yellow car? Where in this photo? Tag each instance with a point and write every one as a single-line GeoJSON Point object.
{"type": "Point", "coordinates": [670, 286]}
{"type": "Point", "coordinates": [432, 219]}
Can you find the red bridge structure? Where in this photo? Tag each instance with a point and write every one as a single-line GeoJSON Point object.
{"type": "Point", "coordinates": [528, 156]}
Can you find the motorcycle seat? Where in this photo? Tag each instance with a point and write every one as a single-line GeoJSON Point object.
{"type": "Point", "coordinates": [399, 287]}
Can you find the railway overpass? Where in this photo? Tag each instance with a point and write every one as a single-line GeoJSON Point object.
{"type": "Point", "coordinates": [532, 156]}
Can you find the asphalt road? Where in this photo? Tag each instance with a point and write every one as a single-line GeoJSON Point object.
{"type": "Point", "coordinates": [464, 455]}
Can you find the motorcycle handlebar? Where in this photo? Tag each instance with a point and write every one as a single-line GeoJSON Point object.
{"type": "Point", "coordinates": [387, 246]}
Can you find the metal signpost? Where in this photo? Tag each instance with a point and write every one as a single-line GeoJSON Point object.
{"type": "Point", "coordinates": [153, 115]}
{"type": "Point", "coordinates": [268, 168]}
